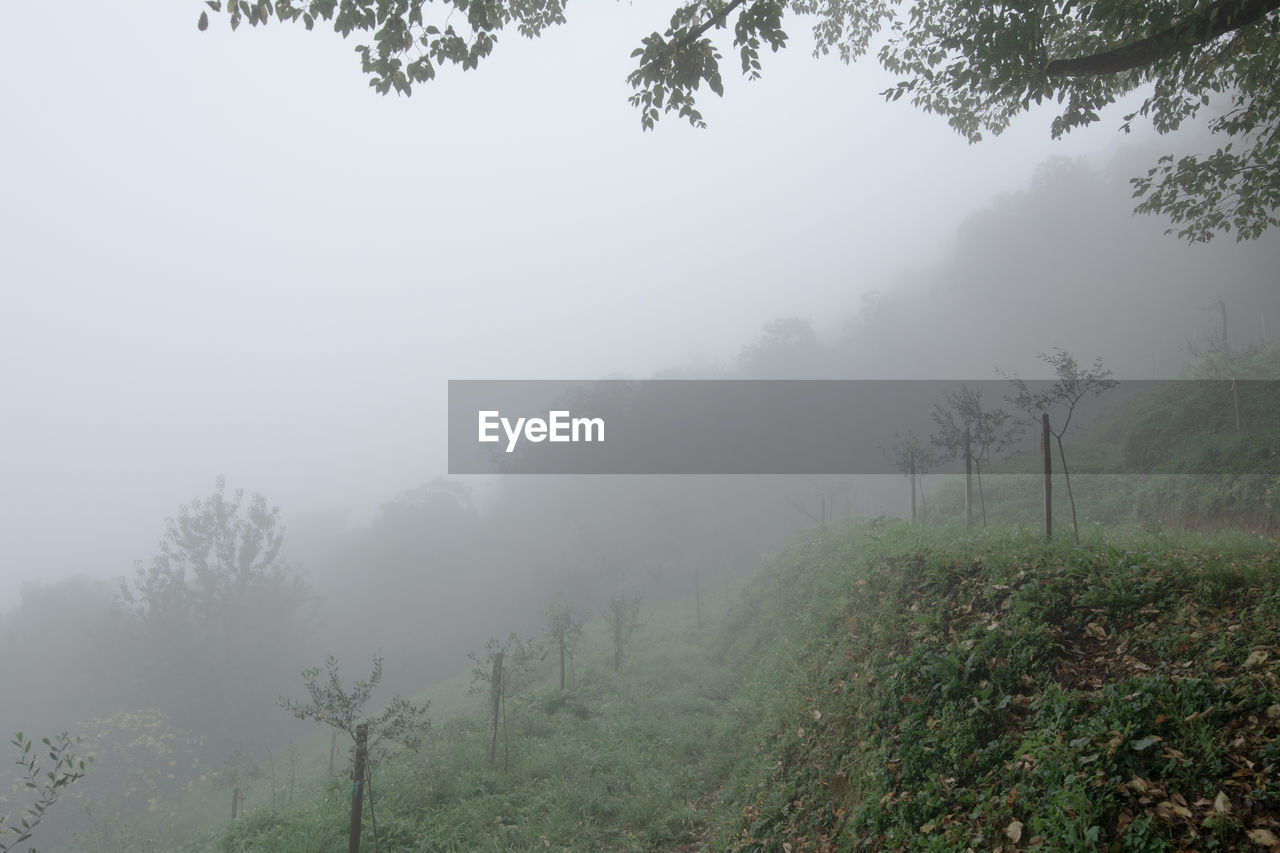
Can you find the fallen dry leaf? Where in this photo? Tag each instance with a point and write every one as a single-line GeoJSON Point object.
{"type": "Point", "coordinates": [1265, 837]}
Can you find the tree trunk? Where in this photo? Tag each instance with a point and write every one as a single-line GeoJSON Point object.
{"type": "Point", "coordinates": [982, 499]}
{"type": "Point", "coordinates": [1071, 499]}
{"type": "Point", "coordinates": [560, 637]}
{"type": "Point", "coordinates": [697, 595]}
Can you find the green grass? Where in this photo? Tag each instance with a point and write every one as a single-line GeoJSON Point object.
{"type": "Point", "coordinates": [617, 762]}
{"type": "Point", "coordinates": [881, 687]}
{"type": "Point", "coordinates": [977, 688]}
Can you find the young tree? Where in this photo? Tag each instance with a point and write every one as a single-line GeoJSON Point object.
{"type": "Point", "coordinates": [1073, 384]}
{"type": "Point", "coordinates": [977, 64]}
{"type": "Point", "coordinates": [502, 669]}
{"type": "Point", "coordinates": [623, 617]}
{"type": "Point", "coordinates": [913, 458]}
{"type": "Point", "coordinates": [221, 615]}
{"type": "Point", "coordinates": [47, 781]}
{"type": "Point", "coordinates": [402, 725]}
{"type": "Point", "coordinates": [969, 432]}
{"type": "Point", "coordinates": [564, 626]}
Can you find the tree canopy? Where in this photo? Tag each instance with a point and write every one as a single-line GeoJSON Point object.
{"type": "Point", "coordinates": [221, 615]}
{"type": "Point", "coordinates": [978, 63]}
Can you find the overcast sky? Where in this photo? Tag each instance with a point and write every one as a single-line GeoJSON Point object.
{"type": "Point", "coordinates": [222, 253]}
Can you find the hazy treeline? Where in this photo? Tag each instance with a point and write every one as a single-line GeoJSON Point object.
{"type": "Point", "coordinates": [1061, 264]}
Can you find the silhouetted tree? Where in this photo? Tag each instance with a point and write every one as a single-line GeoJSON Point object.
{"type": "Point", "coordinates": [623, 617]}
{"type": "Point", "coordinates": [401, 725]}
{"type": "Point", "coordinates": [913, 458]}
{"type": "Point", "coordinates": [1073, 384]}
{"type": "Point", "coordinates": [222, 615]}
{"type": "Point", "coordinates": [971, 433]}
{"type": "Point", "coordinates": [786, 348]}
{"type": "Point", "coordinates": [502, 669]}
{"type": "Point", "coordinates": [564, 626]}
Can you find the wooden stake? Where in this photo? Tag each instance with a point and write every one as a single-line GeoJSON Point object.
{"type": "Point", "coordinates": [357, 786]}
{"type": "Point", "coordinates": [911, 475]}
{"type": "Point", "coordinates": [1048, 475]}
{"type": "Point", "coordinates": [333, 751]}
{"type": "Point", "coordinates": [968, 481]}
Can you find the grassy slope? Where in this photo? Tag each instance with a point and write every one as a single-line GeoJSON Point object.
{"type": "Point", "coordinates": [997, 692]}
{"type": "Point", "coordinates": [882, 688]}
{"type": "Point", "coordinates": [618, 762]}
{"type": "Point", "coordinates": [896, 688]}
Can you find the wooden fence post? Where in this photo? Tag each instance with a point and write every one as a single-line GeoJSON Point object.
{"type": "Point", "coordinates": [235, 803]}
{"type": "Point", "coordinates": [357, 786]}
{"type": "Point", "coordinates": [333, 751]}
{"type": "Point", "coordinates": [1048, 475]}
{"type": "Point", "coordinates": [968, 480]}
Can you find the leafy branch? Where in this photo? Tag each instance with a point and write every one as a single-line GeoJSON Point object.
{"type": "Point", "coordinates": [402, 722]}
{"type": "Point", "coordinates": [65, 768]}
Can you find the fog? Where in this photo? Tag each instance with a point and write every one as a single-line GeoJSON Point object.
{"type": "Point", "coordinates": [223, 255]}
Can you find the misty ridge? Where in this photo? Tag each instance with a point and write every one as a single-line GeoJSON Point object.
{"type": "Point", "coordinates": [449, 563]}
{"type": "Point", "coordinates": [1061, 264]}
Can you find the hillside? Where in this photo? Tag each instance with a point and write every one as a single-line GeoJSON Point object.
{"type": "Point", "coordinates": [884, 688]}
{"type": "Point", "coordinates": [1000, 693]}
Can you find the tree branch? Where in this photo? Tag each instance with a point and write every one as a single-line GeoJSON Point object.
{"type": "Point", "coordinates": [719, 17]}
{"type": "Point", "coordinates": [1219, 18]}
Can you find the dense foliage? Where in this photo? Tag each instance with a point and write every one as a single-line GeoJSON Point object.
{"type": "Point", "coordinates": [977, 64]}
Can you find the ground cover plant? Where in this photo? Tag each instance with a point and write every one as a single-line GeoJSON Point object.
{"type": "Point", "coordinates": [884, 686]}
{"type": "Point", "coordinates": [1000, 692]}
